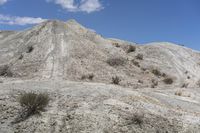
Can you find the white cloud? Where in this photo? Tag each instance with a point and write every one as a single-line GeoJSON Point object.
{"type": "Point", "coordinates": [3, 2]}
{"type": "Point", "coordinates": [15, 20]}
{"type": "Point", "coordinates": [81, 6]}
{"type": "Point", "coordinates": [90, 5]}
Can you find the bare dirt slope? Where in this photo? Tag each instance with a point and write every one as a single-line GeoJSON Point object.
{"type": "Point", "coordinates": [56, 49]}
{"type": "Point", "coordinates": [159, 82]}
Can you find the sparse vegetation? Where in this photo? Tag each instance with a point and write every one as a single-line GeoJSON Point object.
{"type": "Point", "coordinates": [29, 49]}
{"type": "Point", "coordinates": [117, 61]}
{"type": "Point", "coordinates": [137, 119]}
{"type": "Point", "coordinates": [139, 56]}
{"type": "Point", "coordinates": [168, 80]}
{"type": "Point", "coordinates": [198, 83]}
{"type": "Point", "coordinates": [20, 57]}
{"type": "Point", "coordinates": [154, 83]}
{"type": "Point", "coordinates": [116, 80]}
{"type": "Point", "coordinates": [32, 103]}
{"type": "Point", "coordinates": [116, 45]}
{"type": "Point", "coordinates": [131, 49]}
{"type": "Point", "coordinates": [185, 85]}
{"type": "Point", "coordinates": [5, 71]}
{"type": "Point", "coordinates": [140, 81]}
{"type": "Point", "coordinates": [178, 93]}
{"type": "Point", "coordinates": [156, 72]}
{"type": "Point", "coordinates": [136, 63]}
{"type": "Point", "coordinates": [88, 76]}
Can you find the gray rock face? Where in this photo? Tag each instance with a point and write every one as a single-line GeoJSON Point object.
{"type": "Point", "coordinates": [50, 55]}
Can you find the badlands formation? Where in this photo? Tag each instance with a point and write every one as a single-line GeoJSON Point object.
{"type": "Point", "coordinates": [97, 85]}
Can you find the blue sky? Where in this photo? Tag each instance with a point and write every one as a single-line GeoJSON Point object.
{"type": "Point", "coordinates": [139, 21]}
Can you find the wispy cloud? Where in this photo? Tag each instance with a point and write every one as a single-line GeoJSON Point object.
{"type": "Point", "coordinates": [81, 6]}
{"type": "Point", "coordinates": [15, 20]}
{"type": "Point", "coordinates": [3, 2]}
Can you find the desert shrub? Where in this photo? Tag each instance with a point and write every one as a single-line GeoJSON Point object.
{"type": "Point", "coordinates": [136, 63]}
{"type": "Point", "coordinates": [137, 119]}
{"type": "Point", "coordinates": [131, 49]}
{"type": "Point", "coordinates": [116, 80]}
{"type": "Point", "coordinates": [185, 85]}
{"type": "Point", "coordinates": [118, 61]}
{"type": "Point", "coordinates": [5, 71]}
{"type": "Point", "coordinates": [156, 72]}
{"type": "Point", "coordinates": [139, 56]}
{"type": "Point", "coordinates": [198, 83]}
{"type": "Point", "coordinates": [168, 81]}
{"type": "Point", "coordinates": [154, 83]}
{"type": "Point", "coordinates": [179, 93]}
{"type": "Point", "coordinates": [20, 57]}
{"type": "Point", "coordinates": [88, 76]}
{"type": "Point", "coordinates": [140, 81]}
{"type": "Point", "coordinates": [33, 103]}
{"type": "Point", "coordinates": [29, 49]}
{"type": "Point", "coordinates": [116, 45]}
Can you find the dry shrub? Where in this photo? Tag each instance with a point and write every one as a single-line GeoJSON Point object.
{"type": "Point", "coordinates": [29, 49]}
{"type": "Point", "coordinates": [131, 49]}
{"type": "Point", "coordinates": [156, 72]}
{"type": "Point", "coordinates": [5, 71]}
{"type": "Point", "coordinates": [136, 63]}
{"type": "Point", "coordinates": [139, 56]}
{"type": "Point", "coordinates": [198, 83]}
{"type": "Point", "coordinates": [178, 93]}
{"type": "Point", "coordinates": [116, 80]}
{"type": "Point", "coordinates": [88, 76]}
{"type": "Point", "coordinates": [137, 119]}
{"type": "Point", "coordinates": [31, 103]}
{"type": "Point", "coordinates": [154, 83]}
{"type": "Point", "coordinates": [117, 61]}
{"type": "Point", "coordinates": [116, 45]}
{"type": "Point", "coordinates": [168, 81]}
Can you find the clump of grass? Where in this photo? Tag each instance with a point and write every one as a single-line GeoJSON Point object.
{"type": "Point", "coordinates": [139, 56]}
{"type": "Point", "coordinates": [168, 81]}
{"type": "Point", "coordinates": [32, 103]}
{"type": "Point", "coordinates": [88, 76]}
{"type": "Point", "coordinates": [117, 61]}
{"type": "Point", "coordinates": [116, 80]}
{"type": "Point", "coordinates": [5, 71]}
{"type": "Point", "coordinates": [131, 49]}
